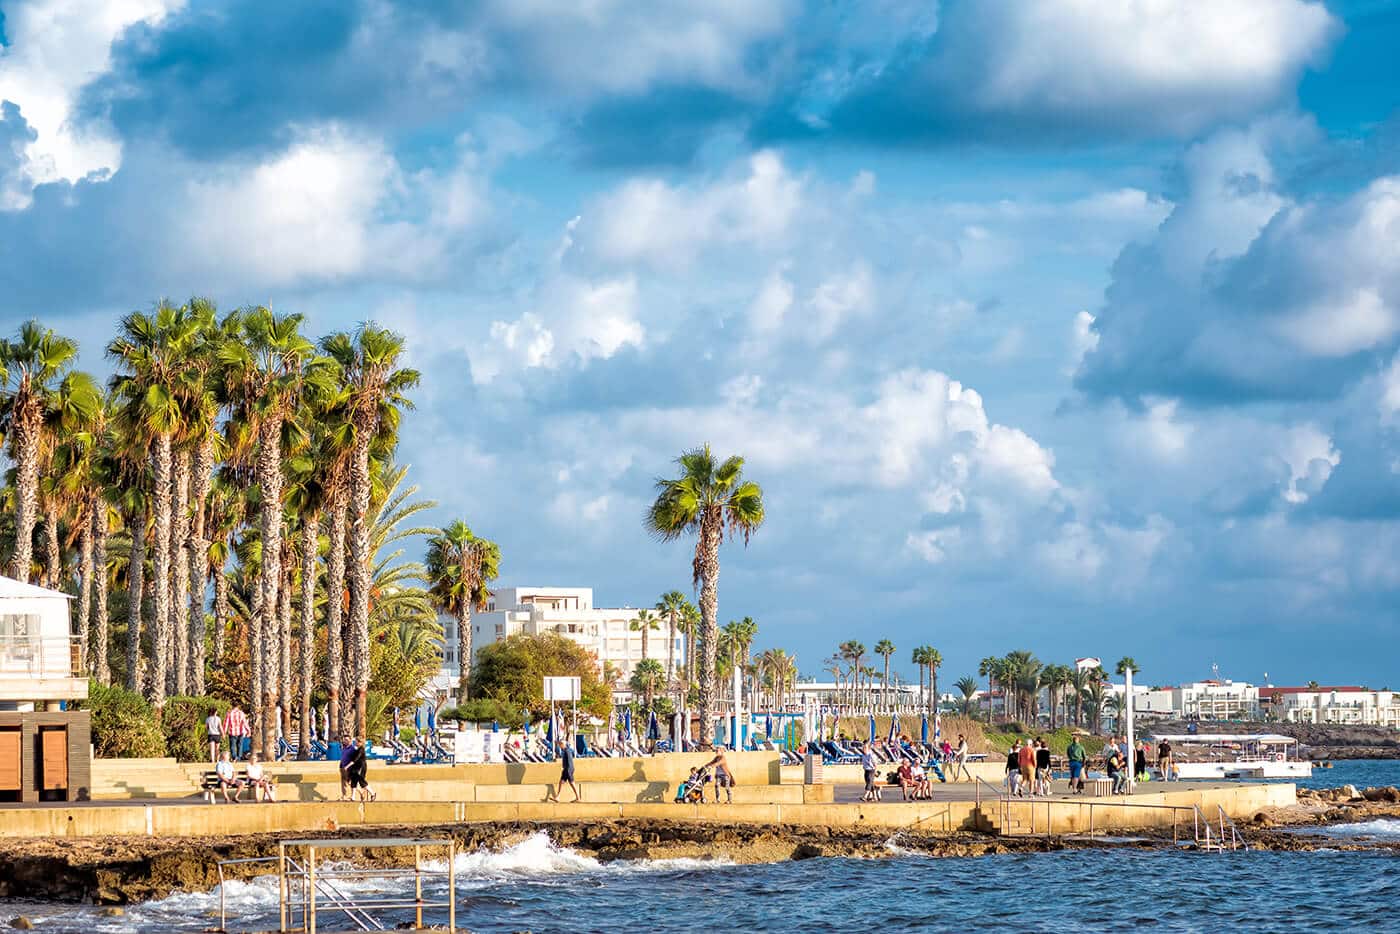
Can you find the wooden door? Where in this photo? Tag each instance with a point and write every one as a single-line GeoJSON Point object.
{"type": "Point", "coordinates": [53, 743]}
{"type": "Point", "coordinates": [9, 760]}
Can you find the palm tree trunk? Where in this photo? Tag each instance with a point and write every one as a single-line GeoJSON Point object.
{"type": "Point", "coordinates": [198, 560]}
{"type": "Point", "coordinates": [26, 422]}
{"type": "Point", "coordinates": [160, 572]}
{"type": "Point", "coordinates": [221, 610]}
{"type": "Point", "coordinates": [707, 563]}
{"type": "Point", "coordinates": [311, 526]}
{"type": "Point", "coordinates": [933, 687]}
{"type": "Point", "coordinates": [671, 651]}
{"type": "Point", "coordinates": [85, 564]}
{"type": "Point", "coordinates": [359, 574]}
{"type": "Point", "coordinates": [135, 589]}
{"type": "Point", "coordinates": [53, 555]}
{"type": "Point", "coordinates": [180, 574]}
{"type": "Point", "coordinates": [335, 592]}
{"type": "Point", "coordinates": [464, 651]}
{"type": "Point", "coordinates": [98, 648]}
{"type": "Point", "coordinates": [269, 480]}
{"type": "Point", "coordinates": [257, 664]}
{"type": "Point", "coordinates": [284, 644]}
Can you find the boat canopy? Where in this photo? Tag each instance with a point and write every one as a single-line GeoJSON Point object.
{"type": "Point", "coordinates": [1272, 738]}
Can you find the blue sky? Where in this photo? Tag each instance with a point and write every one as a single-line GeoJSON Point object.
{"type": "Point", "coordinates": [1063, 326]}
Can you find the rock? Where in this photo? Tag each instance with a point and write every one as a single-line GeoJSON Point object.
{"type": "Point", "coordinates": [23, 923]}
{"type": "Point", "coordinates": [112, 911]}
{"type": "Point", "coordinates": [1389, 794]}
{"type": "Point", "coordinates": [1350, 792]}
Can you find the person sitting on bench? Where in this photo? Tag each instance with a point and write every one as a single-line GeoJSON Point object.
{"type": "Point", "coordinates": [259, 780]}
{"type": "Point", "coordinates": [224, 770]}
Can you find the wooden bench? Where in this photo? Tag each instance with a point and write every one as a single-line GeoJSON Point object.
{"type": "Point", "coordinates": [209, 783]}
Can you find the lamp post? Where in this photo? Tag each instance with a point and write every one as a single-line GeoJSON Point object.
{"type": "Point", "coordinates": [1128, 720]}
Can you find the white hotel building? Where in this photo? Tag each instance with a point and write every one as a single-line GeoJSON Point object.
{"type": "Point", "coordinates": [569, 612]}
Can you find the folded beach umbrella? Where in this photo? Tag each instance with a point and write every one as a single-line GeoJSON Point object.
{"type": "Point", "coordinates": [768, 724]}
{"type": "Point", "coordinates": [418, 719]}
{"type": "Point", "coordinates": [432, 719]}
{"type": "Point", "coordinates": [677, 744]}
{"type": "Point", "coordinates": [923, 731]}
{"type": "Point", "coordinates": [872, 728]}
{"type": "Point", "coordinates": [549, 732]}
{"type": "Point", "coordinates": [894, 729]}
{"type": "Point", "coordinates": [626, 723]}
{"type": "Point", "coordinates": [495, 727]}
{"type": "Point", "coordinates": [653, 728]}
{"type": "Point", "coordinates": [937, 726]}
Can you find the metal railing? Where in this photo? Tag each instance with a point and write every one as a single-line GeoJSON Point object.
{"type": "Point", "coordinates": [306, 889]}
{"type": "Point", "coordinates": [1218, 840]}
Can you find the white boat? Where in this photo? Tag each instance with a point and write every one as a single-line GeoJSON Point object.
{"type": "Point", "coordinates": [1235, 755]}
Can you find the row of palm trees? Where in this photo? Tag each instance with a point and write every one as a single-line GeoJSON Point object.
{"type": "Point", "coordinates": [232, 467]}
{"type": "Point", "coordinates": [1022, 678]}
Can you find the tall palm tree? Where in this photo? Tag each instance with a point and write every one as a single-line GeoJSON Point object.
{"type": "Point", "coordinates": [460, 569]}
{"type": "Point", "coordinates": [933, 660]}
{"type": "Point", "coordinates": [1079, 680]}
{"type": "Point", "coordinates": [690, 625]}
{"type": "Point", "coordinates": [987, 668]}
{"type": "Point", "coordinates": [707, 499]}
{"type": "Point", "coordinates": [645, 621]}
{"type": "Point", "coordinates": [885, 648]}
{"type": "Point", "coordinates": [149, 350]}
{"type": "Point", "coordinates": [375, 390]}
{"type": "Point", "coordinates": [672, 607]}
{"type": "Point", "coordinates": [267, 370]}
{"type": "Point", "coordinates": [852, 651]}
{"type": "Point", "coordinates": [919, 658]}
{"type": "Point", "coordinates": [1126, 664]}
{"type": "Point", "coordinates": [33, 366]}
{"type": "Point", "coordinates": [1096, 695]}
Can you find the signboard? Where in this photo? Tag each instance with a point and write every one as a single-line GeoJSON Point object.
{"type": "Point", "coordinates": [469, 746]}
{"type": "Point", "coordinates": [494, 746]}
{"type": "Point", "coordinates": [562, 689]}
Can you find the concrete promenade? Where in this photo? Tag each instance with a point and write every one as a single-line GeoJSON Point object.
{"type": "Point", "coordinates": [611, 789]}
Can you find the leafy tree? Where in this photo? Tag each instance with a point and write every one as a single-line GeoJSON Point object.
{"type": "Point", "coordinates": [123, 724]}
{"type": "Point", "coordinates": [513, 670]}
{"type": "Point", "coordinates": [707, 499]}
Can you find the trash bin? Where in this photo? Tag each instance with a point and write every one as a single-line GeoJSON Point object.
{"type": "Point", "coordinates": [333, 751]}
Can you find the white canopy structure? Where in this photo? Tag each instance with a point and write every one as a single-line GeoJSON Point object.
{"type": "Point", "coordinates": [39, 655]}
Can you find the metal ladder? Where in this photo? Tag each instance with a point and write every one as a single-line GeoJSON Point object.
{"type": "Point", "coordinates": [1219, 837]}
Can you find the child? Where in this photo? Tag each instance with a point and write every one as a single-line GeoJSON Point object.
{"type": "Point", "coordinates": [684, 788]}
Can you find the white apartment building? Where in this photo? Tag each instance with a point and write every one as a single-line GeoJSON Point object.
{"type": "Point", "coordinates": [1216, 700]}
{"type": "Point", "coordinates": [1349, 704]}
{"type": "Point", "coordinates": [569, 612]}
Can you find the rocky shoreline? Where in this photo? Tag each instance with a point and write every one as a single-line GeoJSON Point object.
{"type": "Point", "coordinates": [123, 870]}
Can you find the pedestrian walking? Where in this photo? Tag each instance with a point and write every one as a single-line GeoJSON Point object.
{"type": "Point", "coordinates": [214, 729]}
{"type": "Point", "coordinates": [237, 730]}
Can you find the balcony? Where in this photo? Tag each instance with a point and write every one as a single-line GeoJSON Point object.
{"type": "Point", "coordinates": [35, 668]}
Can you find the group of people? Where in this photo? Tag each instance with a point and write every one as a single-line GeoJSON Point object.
{"type": "Point", "coordinates": [233, 727]}
{"type": "Point", "coordinates": [354, 770]}
{"type": "Point", "coordinates": [913, 776]}
{"type": "Point", "coordinates": [1117, 762]}
{"type": "Point", "coordinates": [1028, 768]}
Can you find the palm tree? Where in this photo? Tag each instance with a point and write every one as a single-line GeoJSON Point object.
{"type": "Point", "coordinates": [933, 660]}
{"type": "Point", "coordinates": [375, 394]}
{"type": "Point", "coordinates": [645, 677]}
{"type": "Point", "coordinates": [920, 659]}
{"type": "Point", "coordinates": [148, 351]}
{"type": "Point", "coordinates": [852, 652]}
{"type": "Point", "coordinates": [987, 668]}
{"type": "Point", "coordinates": [707, 499]}
{"type": "Point", "coordinates": [1096, 694]}
{"type": "Point", "coordinates": [885, 648]}
{"type": "Point", "coordinates": [672, 606]}
{"type": "Point", "coordinates": [460, 569]}
{"type": "Point", "coordinates": [33, 367]}
{"type": "Point", "coordinates": [267, 371]}
{"type": "Point", "coordinates": [1079, 680]}
{"type": "Point", "coordinates": [1126, 664]}
{"type": "Point", "coordinates": [644, 622]}
{"type": "Point", "coordinates": [690, 624]}
{"type": "Point", "coordinates": [967, 685]}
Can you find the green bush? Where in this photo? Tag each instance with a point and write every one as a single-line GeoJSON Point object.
{"type": "Point", "coordinates": [182, 722]}
{"type": "Point", "coordinates": [123, 725]}
{"type": "Point", "coordinates": [484, 710]}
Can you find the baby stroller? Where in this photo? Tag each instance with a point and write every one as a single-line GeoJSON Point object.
{"type": "Point", "coordinates": [692, 790]}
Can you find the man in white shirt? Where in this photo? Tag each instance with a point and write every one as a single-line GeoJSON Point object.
{"type": "Point", "coordinates": [215, 728]}
{"type": "Point", "coordinates": [960, 760]}
{"type": "Point", "coordinates": [224, 769]}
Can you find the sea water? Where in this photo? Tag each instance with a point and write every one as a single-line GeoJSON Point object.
{"type": "Point", "coordinates": [537, 886]}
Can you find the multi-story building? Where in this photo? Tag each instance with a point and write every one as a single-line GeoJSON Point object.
{"type": "Point", "coordinates": [44, 747]}
{"type": "Point", "coordinates": [566, 611]}
{"type": "Point", "coordinates": [1334, 704]}
{"type": "Point", "coordinates": [1215, 699]}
